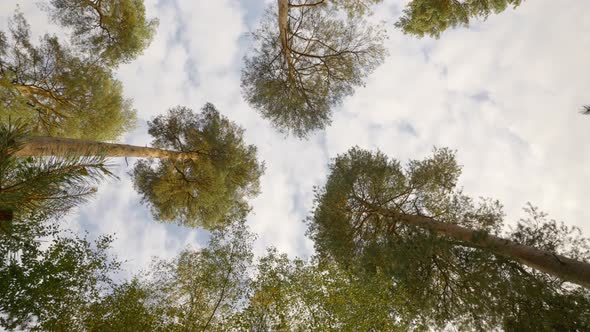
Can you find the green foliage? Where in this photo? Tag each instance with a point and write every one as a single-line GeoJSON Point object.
{"type": "Point", "coordinates": [310, 296]}
{"type": "Point", "coordinates": [536, 304]}
{"type": "Point", "coordinates": [210, 290]}
{"type": "Point", "coordinates": [438, 280]}
{"type": "Point", "coordinates": [57, 93]}
{"type": "Point", "coordinates": [46, 186]}
{"type": "Point", "coordinates": [125, 309]}
{"type": "Point", "coordinates": [114, 30]}
{"type": "Point", "coordinates": [361, 182]}
{"type": "Point", "coordinates": [209, 190]}
{"type": "Point", "coordinates": [432, 17]}
{"type": "Point", "coordinates": [539, 232]}
{"type": "Point", "coordinates": [216, 289]}
{"type": "Point", "coordinates": [198, 290]}
{"type": "Point", "coordinates": [50, 289]}
{"type": "Point", "coordinates": [354, 8]}
{"type": "Point", "coordinates": [326, 58]}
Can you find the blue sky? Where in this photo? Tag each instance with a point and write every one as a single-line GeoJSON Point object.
{"type": "Point", "coordinates": [504, 93]}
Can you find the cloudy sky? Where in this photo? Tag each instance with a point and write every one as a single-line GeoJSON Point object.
{"type": "Point", "coordinates": [504, 93]}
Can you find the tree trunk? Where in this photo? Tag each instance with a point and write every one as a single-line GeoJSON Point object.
{"type": "Point", "coordinates": [48, 146]}
{"type": "Point", "coordinates": [560, 266]}
{"type": "Point", "coordinates": [283, 22]}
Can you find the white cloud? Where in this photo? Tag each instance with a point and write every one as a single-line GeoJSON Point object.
{"type": "Point", "coordinates": [37, 18]}
{"type": "Point", "coordinates": [211, 30]}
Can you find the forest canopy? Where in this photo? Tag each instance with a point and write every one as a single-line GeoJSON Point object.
{"type": "Point", "coordinates": [398, 244]}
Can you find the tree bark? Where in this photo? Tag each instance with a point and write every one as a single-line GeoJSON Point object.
{"type": "Point", "coordinates": [283, 21]}
{"type": "Point", "coordinates": [560, 266]}
{"type": "Point", "coordinates": [47, 146]}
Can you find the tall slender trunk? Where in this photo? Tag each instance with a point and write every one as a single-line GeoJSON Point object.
{"type": "Point", "coordinates": [47, 146]}
{"type": "Point", "coordinates": [560, 266]}
{"type": "Point", "coordinates": [283, 21]}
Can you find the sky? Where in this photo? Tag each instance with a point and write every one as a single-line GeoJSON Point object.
{"type": "Point", "coordinates": [504, 93]}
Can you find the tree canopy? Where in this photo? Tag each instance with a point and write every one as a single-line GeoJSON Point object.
{"type": "Point", "coordinates": [51, 288]}
{"type": "Point", "coordinates": [217, 288]}
{"type": "Point", "coordinates": [398, 247]}
{"type": "Point", "coordinates": [298, 295]}
{"type": "Point", "coordinates": [126, 308]}
{"type": "Point", "coordinates": [306, 60]}
{"type": "Point", "coordinates": [354, 8]}
{"type": "Point", "coordinates": [357, 222]}
{"type": "Point", "coordinates": [57, 93]}
{"type": "Point", "coordinates": [198, 290]}
{"type": "Point", "coordinates": [433, 17]}
{"type": "Point", "coordinates": [116, 31]}
{"type": "Point", "coordinates": [208, 190]}
{"type": "Point", "coordinates": [203, 177]}
{"type": "Point", "coordinates": [47, 286]}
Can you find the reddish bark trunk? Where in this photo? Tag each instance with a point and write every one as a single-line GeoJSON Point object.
{"type": "Point", "coordinates": [560, 266]}
{"type": "Point", "coordinates": [47, 146]}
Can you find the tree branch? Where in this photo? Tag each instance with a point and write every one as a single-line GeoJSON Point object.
{"type": "Point", "coordinates": [306, 4]}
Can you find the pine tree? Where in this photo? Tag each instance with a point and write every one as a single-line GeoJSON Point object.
{"type": "Point", "coordinates": [433, 17]}
{"type": "Point", "coordinates": [446, 254]}
{"type": "Point", "coordinates": [56, 92]}
{"type": "Point", "coordinates": [114, 31]}
{"type": "Point", "coordinates": [204, 173]}
{"type": "Point", "coordinates": [307, 60]}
